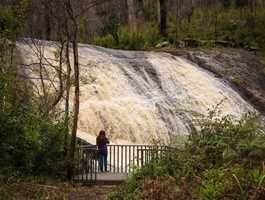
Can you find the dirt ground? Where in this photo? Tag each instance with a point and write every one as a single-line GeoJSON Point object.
{"type": "Point", "coordinates": [61, 191]}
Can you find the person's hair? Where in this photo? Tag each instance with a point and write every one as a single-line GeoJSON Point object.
{"type": "Point", "coordinates": [102, 133]}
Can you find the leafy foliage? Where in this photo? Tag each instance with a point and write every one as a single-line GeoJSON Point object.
{"type": "Point", "coordinates": [31, 148]}
{"type": "Point", "coordinates": [142, 40]}
{"type": "Point", "coordinates": [12, 19]}
{"type": "Point", "coordinates": [30, 144]}
{"type": "Point", "coordinates": [207, 26]}
{"type": "Point", "coordinates": [224, 160]}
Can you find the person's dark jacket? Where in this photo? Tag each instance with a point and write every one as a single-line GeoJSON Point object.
{"type": "Point", "coordinates": [102, 142]}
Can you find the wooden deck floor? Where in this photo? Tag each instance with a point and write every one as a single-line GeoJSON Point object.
{"type": "Point", "coordinates": [106, 178]}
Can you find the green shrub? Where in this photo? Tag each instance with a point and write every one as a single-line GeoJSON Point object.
{"type": "Point", "coordinates": [30, 143]}
{"type": "Point", "coordinates": [130, 190]}
{"type": "Point", "coordinates": [257, 177]}
{"type": "Point", "coordinates": [105, 41]}
{"type": "Point", "coordinates": [15, 146]}
{"type": "Point", "coordinates": [49, 159]}
{"type": "Point", "coordinates": [30, 148]}
{"type": "Point", "coordinates": [210, 190]}
{"type": "Point", "coordinates": [218, 182]}
{"type": "Point", "coordinates": [147, 38]}
{"type": "Point", "coordinates": [212, 165]}
{"type": "Point", "coordinates": [224, 138]}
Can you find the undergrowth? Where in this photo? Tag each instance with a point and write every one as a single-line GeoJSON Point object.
{"type": "Point", "coordinates": [225, 160]}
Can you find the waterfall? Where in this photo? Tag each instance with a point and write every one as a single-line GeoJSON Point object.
{"type": "Point", "coordinates": [138, 96]}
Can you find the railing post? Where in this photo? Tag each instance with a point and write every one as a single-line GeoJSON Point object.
{"type": "Point", "coordinates": [83, 164]}
{"type": "Point", "coordinates": [90, 161]}
{"type": "Point", "coordinates": [122, 167]}
{"type": "Point", "coordinates": [133, 158]}
{"type": "Point", "coordinates": [129, 160]}
{"type": "Point", "coordinates": [114, 158]}
{"type": "Point", "coordinates": [95, 163]}
{"type": "Point", "coordinates": [110, 152]}
{"type": "Point", "coordinates": [142, 157]}
{"type": "Point", "coordinates": [118, 163]}
{"type": "Point", "coordinates": [137, 157]}
{"type": "Point", "coordinates": [125, 157]}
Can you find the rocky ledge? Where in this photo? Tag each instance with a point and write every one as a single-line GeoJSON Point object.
{"type": "Point", "coordinates": [242, 69]}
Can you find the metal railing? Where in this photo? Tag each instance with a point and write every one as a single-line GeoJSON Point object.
{"type": "Point", "coordinates": [121, 159]}
{"type": "Point", "coordinates": [86, 165]}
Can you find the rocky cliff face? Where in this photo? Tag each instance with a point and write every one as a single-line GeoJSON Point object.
{"type": "Point", "coordinates": [243, 70]}
{"type": "Point", "coordinates": [139, 96]}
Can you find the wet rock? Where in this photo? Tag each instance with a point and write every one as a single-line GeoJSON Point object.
{"type": "Point", "coordinates": [242, 69]}
{"type": "Point", "coordinates": [162, 44]}
{"type": "Point", "coordinates": [144, 95]}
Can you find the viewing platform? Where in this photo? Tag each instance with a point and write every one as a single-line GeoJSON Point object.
{"type": "Point", "coordinates": [123, 160]}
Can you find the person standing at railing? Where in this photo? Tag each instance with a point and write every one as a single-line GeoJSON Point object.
{"type": "Point", "coordinates": [102, 142]}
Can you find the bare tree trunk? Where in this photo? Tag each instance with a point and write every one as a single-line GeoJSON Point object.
{"type": "Point", "coordinates": [73, 37]}
{"type": "Point", "coordinates": [43, 86]}
{"type": "Point", "coordinates": [178, 9]}
{"type": "Point", "coordinates": [191, 11]}
{"type": "Point", "coordinates": [59, 94]}
{"type": "Point", "coordinates": [47, 19]}
{"type": "Point", "coordinates": [68, 87]}
{"type": "Point", "coordinates": [132, 20]}
{"type": "Point", "coordinates": [162, 17]}
{"type": "Point", "coordinates": [76, 108]}
{"type": "Point", "coordinates": [254, 18]}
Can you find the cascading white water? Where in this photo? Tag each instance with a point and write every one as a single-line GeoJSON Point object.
{"type": "Point", "coordinates": [139, 96]}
